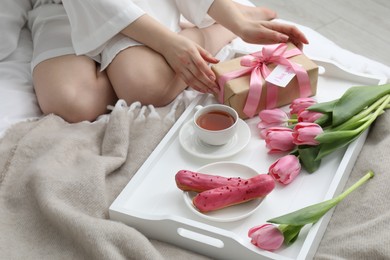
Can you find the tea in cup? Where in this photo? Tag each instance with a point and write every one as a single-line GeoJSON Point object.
{"type": "Point", "coordinates": [215, 124]}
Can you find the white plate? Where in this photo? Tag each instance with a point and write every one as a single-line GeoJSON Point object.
{"type": "Point", "coordinates": [232, 213]}
{"type": "Point", "coordinates": [191, 143]}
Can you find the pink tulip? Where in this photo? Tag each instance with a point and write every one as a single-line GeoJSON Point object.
{"type": "Point", "coordinates": [267, 237]}
{"type": "Point", "coordinates": [285, 169]}
{"type": "Point", "coordinates": [279, 139]}
{"type": "Point", "coordinates": [300, 104]}
{"type": "Point", "coordinates": [263, 133]}
{"type": "Point", "coordinates": [305, 133]}
{"type": "Point", "coordinates": [308, 116]}
{"type": "Point", "coordinates": [272, 117]}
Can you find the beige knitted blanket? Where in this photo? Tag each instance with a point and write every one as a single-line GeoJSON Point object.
{"type": "Point", "coordinates": [57, 181]}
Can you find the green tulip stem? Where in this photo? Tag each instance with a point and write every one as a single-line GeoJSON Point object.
{"type": "Point", "coordinates": [375, 114]}
{"type": "Point", "coordinates": [362, 180]}
{"type": "Point", "coordinates": [283, 227]}
{"type": "Point", "coordinates": [364, 114]}
{"type": "Point", "coordinates": [292, 120]}
{"type": "Point", "coordinates": [291, 231]}
{"type": "Point", "coordinates": [333, 134]}
{"type": "Point", "coordinates": [312, 213]}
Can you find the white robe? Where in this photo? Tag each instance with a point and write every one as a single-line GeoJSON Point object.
{"type": "Point", "coordinates": [92, 27]}
{"type": "Point", "coordinates": [95, 22]}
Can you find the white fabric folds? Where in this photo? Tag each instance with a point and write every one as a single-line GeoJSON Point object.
{"type": "Point", "coordinates": [95, 22]}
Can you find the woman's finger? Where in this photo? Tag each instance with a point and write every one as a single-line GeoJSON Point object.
{"type": "Point", "coordinates": [188, 77]}
{"type": "Point", "coordinates": [289, 30]}
{"type": "Point", "coordinates": [206, 80]}
{"type": "Point", "coordinates": [207, 56]}
{"type": "Point", "coordinates": [206, 74]}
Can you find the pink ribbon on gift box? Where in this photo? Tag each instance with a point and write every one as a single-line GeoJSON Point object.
{"type": "Point", "coordinates": [256, 64]}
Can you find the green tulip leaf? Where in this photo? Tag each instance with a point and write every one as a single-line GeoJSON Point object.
{"type": "Point", "coordinates": [336, 136]}
{"type": "Point", "coordinates": [328, 148]}
{"type": "Point", "coordinates": [312, 213]}
{"type": "Point", "coordinates": [290, 233]}
{"type": "Point", "coordinates": [307, 157]}
{"type": "Point", "coordinates": [307, 215]}
{"type": "Point", "coordinates": [323, 107]}
{"type": "Point", "coordinates": [351, 124]}
{"type": "Point", "coordinates": [325, 120]}
{"type": "Point", "coordinates": [355, 99]}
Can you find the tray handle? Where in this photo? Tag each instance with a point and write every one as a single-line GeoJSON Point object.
{"type": "Point", "coordinates": [194, 236]}
{"type": "Point", "coordinates": [329, 67]}
{"type": "Point", "coordinates": [199, 237]}
{"type": "Point", "coordinates": [216, 242]}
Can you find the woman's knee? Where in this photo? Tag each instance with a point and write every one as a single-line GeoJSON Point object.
{"type": "Point", "coordinates": [72, 103]}
{"type": "Point", "coordinates": [151, 81]}
{"type": "Point", "coordinates": [71, 88]}
{"type": "Point", "coordinates": [149, 89]}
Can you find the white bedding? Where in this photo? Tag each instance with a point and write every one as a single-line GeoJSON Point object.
{"type": "Point", "coordinates": [18, 101]}
{"type": "Point", "coordinates": [17, 97]}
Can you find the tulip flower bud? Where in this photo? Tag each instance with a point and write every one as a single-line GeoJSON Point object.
{"type": "Point", "coordinates": [285, 169]}
{"type": "Point", "coordinates": [267, 237]}
{"type": "Point", "coordinates": [279, 139]}
{"type": "Point", "coordinates": [305, 133]}
{"type": "Point", "coordinates": [301, 104]}
{"type": "Point", "coordinates": [272, 117]}
{"type": "Point", "coordinates": [308, 116]}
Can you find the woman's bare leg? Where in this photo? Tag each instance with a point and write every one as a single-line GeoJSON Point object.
{"type": "Point", "coordinates": [216, 37]}
{"type": "Point", "coordinates": [72, 87]}
{"type": "Point", "coordinates": [140, 74]}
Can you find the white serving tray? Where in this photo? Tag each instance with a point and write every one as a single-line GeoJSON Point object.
{"type": "Point", "coordinates": [153, 204]}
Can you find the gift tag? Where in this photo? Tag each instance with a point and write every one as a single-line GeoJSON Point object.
{"type": "Point", "coordinates": [281, 76]}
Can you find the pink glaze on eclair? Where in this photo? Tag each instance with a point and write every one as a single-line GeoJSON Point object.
{"type": "Point", "coordinates": [221, 197]}
{"type": "Point", "coordinates": [198, 182]}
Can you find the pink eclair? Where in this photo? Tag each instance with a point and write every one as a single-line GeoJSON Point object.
{"type": "Point", "coordinates": [221, 197]}
{"type": "Point", "coordinates": [198, 182]}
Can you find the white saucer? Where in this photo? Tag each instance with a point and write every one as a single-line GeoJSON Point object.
{"type": "Point", "coordinates": [232, 213]}
{"type": "Point", "coordinates": [191, 143]}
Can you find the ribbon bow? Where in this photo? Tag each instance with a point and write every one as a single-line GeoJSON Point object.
{"type": "Point", "coordinates": [256, 64]}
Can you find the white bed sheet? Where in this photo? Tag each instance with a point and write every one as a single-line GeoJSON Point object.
{"type": "Point", "coordinates": [17, 98]}
{"type": "Point", "coordinates": [18, 101]}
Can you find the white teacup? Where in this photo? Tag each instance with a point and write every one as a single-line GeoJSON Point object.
{"type": "Point", "coordinates": [215, 124]}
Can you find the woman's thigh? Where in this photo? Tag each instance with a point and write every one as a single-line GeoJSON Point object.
{"type": "Point", "coordinates": [140, 74]}
{"type": "Point", "coordinates": [72, 87]}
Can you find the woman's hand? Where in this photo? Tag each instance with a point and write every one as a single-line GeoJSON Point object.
{"type": "Point", "coordinates": [185, 57]}
{"type": "Point", "coordinates": [190, 62]}
{"type": "Point", "coordinates": [268, 32]}
{"type": "Point", "coordinates": [254, 30]}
